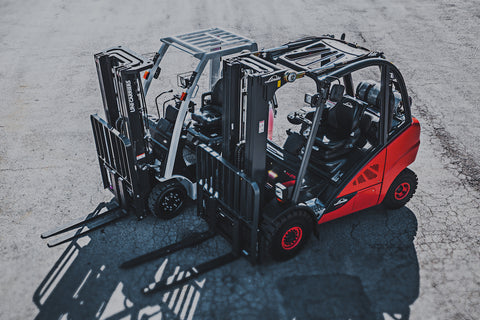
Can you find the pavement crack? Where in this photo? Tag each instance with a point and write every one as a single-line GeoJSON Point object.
{"type": "Point", "coordinates": [458, 156]}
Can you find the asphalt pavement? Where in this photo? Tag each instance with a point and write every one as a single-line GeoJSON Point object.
{"type": "Point", "coordinates": [418, 262]}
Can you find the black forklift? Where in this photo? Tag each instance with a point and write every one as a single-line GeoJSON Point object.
{"type": "Point", "coordinates": [351, 152]}
{"type": "Point", "coordinates": [147, 155]}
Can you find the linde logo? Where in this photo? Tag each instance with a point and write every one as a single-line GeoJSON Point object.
{"type": "Point", "coordinates": [130, 96]}
{"type": "Point", "coordinates": [340, 201]}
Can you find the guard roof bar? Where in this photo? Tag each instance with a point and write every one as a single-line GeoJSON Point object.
{"type": "Point", "coordinates": [201, 43]}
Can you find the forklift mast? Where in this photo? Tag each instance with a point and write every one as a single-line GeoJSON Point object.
{"type": "Point", "coordinates": [121, 145]}
{"type": "Point", "coordinates": [250, 84]}
{"type": "Point", "coordinates": [230, 190]}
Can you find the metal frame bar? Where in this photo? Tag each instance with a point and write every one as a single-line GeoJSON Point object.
{"type": "Point", "coordinates": [182, 113]}
{"type": "Point", "coordinates": [121, 154]}
{"type": "Point", "coordinates": [160, 54]}
{"type": "Point", "coordinates": [204, 42]}
{"type": "Point", "coordinates": [385, 102]}
{"type": "Point", "coordinates": [308, 148]}
{"type": "Point", "coordinates": [189, 43]}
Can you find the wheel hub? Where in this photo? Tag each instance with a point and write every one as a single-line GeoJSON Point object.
{"type": "Point", "coordinates": [171, 201]}
{"type": "Point", "coordinates": [402, 190]}
{"type": "Point", "coordinates": [291, 238]}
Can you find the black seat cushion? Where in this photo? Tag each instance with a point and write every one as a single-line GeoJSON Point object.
{"type": "Point", "coordinates": [343, 118]}
{"type": "Point", "coordinates": [208, 118]}
{"type": "Point", "coordinates": [215, 101]}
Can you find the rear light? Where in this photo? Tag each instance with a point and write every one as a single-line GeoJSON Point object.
{"type": "Point", "coordinates": [146, 74]}
{"type": "Point", "coordinates": [272, 175]}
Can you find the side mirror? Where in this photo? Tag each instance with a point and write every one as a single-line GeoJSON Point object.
{"type": "Point", "coordinates": [336, 93]}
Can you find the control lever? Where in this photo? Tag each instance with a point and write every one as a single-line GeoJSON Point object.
{"type": "Point", "coordinates": [295, 117]}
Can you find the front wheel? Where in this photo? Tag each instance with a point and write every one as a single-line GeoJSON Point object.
{"type": "Point", "coordinates": [286, 236]}
{"type": "Point", "coordinates": [401, 190]}
{"type": "Point", "coordinates": [166, 199]}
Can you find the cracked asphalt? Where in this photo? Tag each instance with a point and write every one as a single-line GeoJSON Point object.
{"type": "Point", "coordinates": [418, 262]}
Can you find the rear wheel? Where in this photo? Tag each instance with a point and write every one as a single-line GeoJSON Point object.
{"type": "Point", "coordinates": [166, 199]}
{"type": "Point", "coordinates": [401, 190]}
{"type": "Point", "coordinates": [286, 236]}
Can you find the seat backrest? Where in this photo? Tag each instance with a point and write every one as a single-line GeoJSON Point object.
{"type": "Point", "coordinates": [171, 114]}
{"type": "Point", "coordinates": [344, 118]}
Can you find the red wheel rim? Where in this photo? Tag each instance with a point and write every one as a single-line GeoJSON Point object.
{"type": "Point", "coordinates": [402, 191]}
{"type": "Point", "coordinates": [291, 238]}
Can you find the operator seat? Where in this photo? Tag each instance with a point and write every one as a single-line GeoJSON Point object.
{"type": "Point", "coordinates": [166, 123]}
{"type": "Point", "coordinates": [341, 130]}
{"type": "Point", "coordinates": [210, 116]}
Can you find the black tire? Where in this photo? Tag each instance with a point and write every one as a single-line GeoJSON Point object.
{"type": "Point", "coordinates": [167, 199]}
{"type": "Point", "coordinates": [286, 236]}
{"type": "Point", "coordinates": [401, 190]}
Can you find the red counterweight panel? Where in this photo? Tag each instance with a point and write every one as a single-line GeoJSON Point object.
{"type": "Point", "coordinates": [401, 152]}
{"type": "Point", "coordinates": [367, 184]}
{"type": "Point", "coordinates": [369, 175]}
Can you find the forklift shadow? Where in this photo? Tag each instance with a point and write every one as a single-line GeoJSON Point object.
{"type": "Point", "coordinates": [363, 267]}
{"type": "Point", "coordinates": [86, 282]}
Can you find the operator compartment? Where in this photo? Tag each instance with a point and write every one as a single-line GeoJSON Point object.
{"type": "Point", "coordinates": [347, 132]}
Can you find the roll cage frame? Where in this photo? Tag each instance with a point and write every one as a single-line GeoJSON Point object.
{"type": "Point", "coordinates": [208, 45]}
{"type": "Point", "coordinates": [274, 62]}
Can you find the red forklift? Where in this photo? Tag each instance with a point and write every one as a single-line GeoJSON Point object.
{"type": "Point", "coordinates": [349, 150]}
